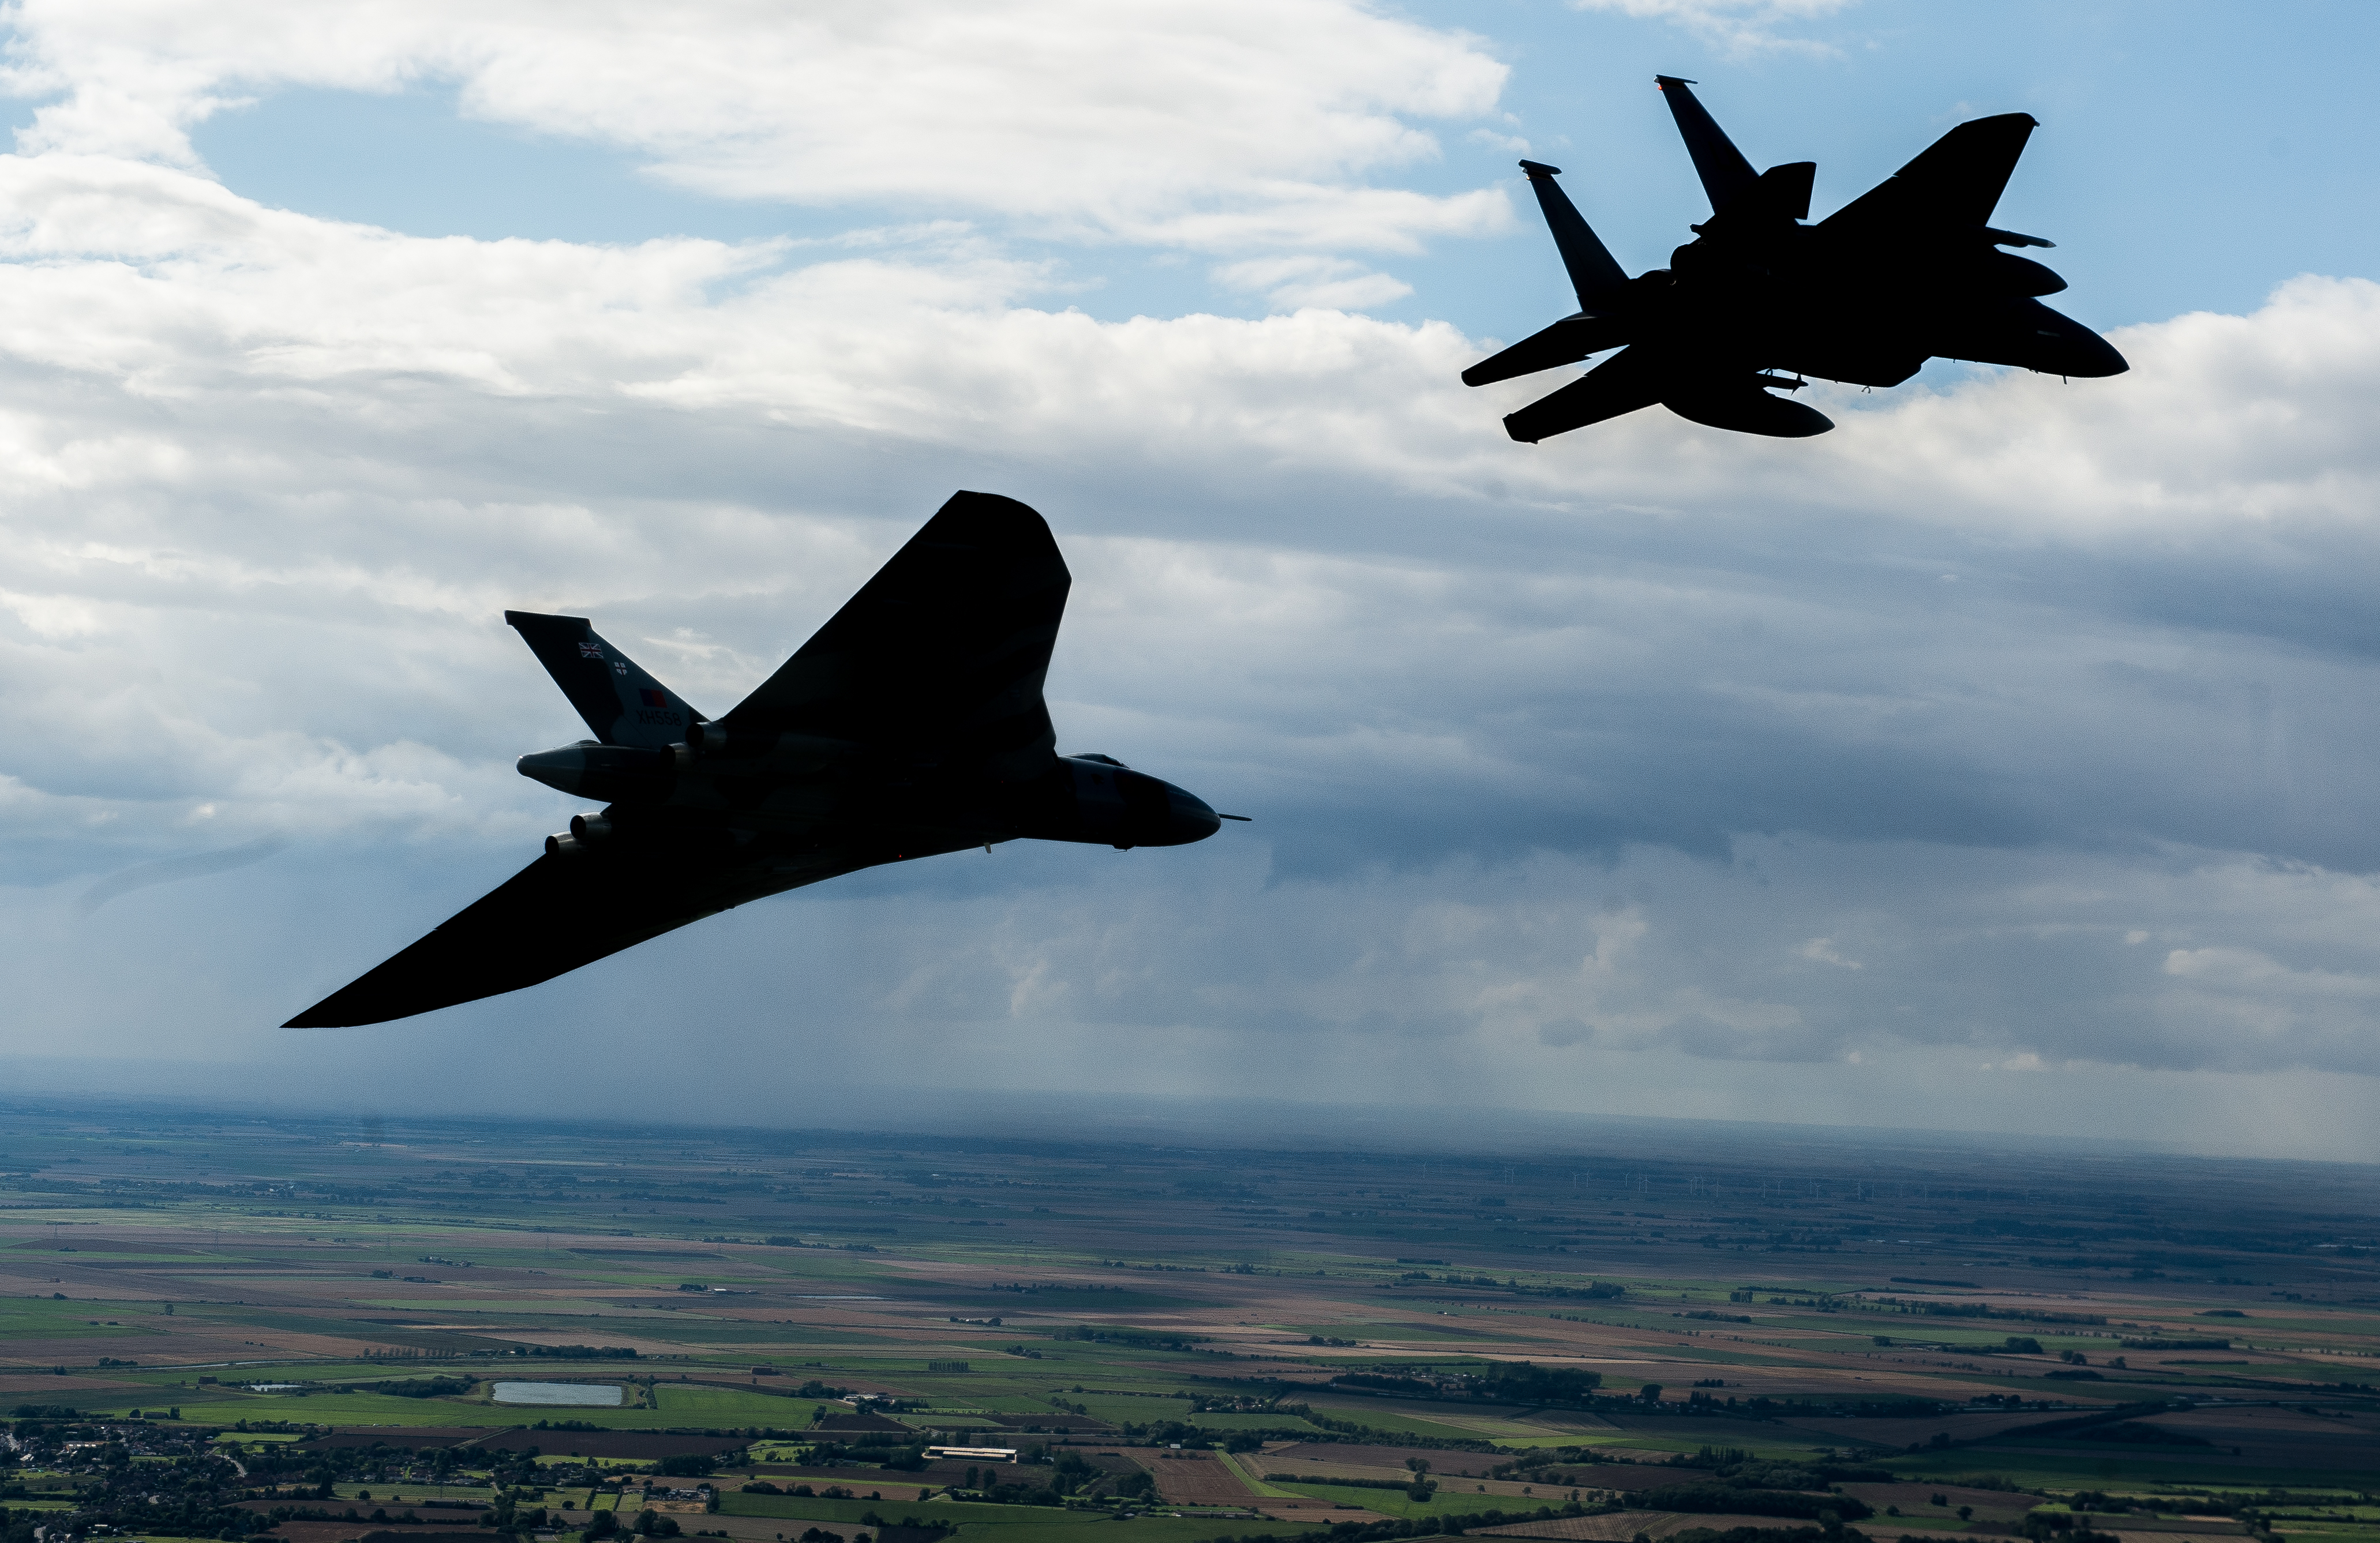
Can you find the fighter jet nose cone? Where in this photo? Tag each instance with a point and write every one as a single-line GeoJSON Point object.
{"type": "Point", "coordinates": [1189, 819]}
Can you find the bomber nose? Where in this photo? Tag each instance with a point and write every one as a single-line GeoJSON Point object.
{"type": "Point", "coordinates": [1188, 818]}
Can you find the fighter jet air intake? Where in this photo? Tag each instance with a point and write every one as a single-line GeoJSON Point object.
{"type": "Point", "coordinates": [1909, 270]}
{"type": "Point", "coordinates": [911, 725]}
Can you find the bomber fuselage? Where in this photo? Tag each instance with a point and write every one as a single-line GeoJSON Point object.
{"type": "Point", "coordinates": [800, 793]}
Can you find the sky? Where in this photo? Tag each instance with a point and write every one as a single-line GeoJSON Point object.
{"type": "Point", "coordinates": [2001, 762]}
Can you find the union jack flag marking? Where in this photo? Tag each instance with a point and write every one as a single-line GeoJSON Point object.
{"type": "Point", "coordinates": [590, 650]}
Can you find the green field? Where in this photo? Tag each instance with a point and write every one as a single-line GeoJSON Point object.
{"type": "Point", "coordinates": [39, 1318]}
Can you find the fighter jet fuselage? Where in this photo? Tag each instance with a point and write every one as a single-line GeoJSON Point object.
{"type": "Point", "coordinates": [1909, 270]}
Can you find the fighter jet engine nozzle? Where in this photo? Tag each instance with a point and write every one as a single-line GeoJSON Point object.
{"type": "Point", "coordinates": [589, 828]}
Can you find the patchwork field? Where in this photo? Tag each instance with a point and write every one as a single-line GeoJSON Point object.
{"type": "Point", "coordinates": [1926, 1340]}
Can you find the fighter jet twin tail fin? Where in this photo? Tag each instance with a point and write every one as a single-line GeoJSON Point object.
{"type": "Point", "coordinates": [1759, 291]}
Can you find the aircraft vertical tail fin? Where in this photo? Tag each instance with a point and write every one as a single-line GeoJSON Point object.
{"type": "Point", "coordinates": [1726, 174]}
{"type": "Point", "coordinates": [620, 701]}
{"type": "Point", "coordinates": [1593, 273]}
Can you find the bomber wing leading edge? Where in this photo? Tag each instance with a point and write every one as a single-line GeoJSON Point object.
{"type": "Point", "coordinates": [912, 723]}
{"type": "Point", "coordinates": [1911, 270]}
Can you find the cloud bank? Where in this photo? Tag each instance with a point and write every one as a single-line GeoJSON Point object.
{"type": "Point", "coordinates": [2016, 725]}
{"type": "Point", "coordinates": [1218, 127]}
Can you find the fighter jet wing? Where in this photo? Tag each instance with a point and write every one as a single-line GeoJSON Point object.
{"type": "Point", "coordinates": [1957, 180]}
{"type": "Point", "coordinates": [944, 650]}
{"type": "Point", "coordinates": [556, 914]}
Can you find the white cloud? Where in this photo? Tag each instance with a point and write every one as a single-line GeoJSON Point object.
{"type": "Point", "coordinates": [1735, 26]}
{"type": "Point", "coordinates": [1509, 143]}
{"type": "Point", "coordinates": [1822, 951]}
{"type": "Point", "coordinates": [1325, 282]}
{"type": "Point", "coordinates": [1218, 125]}
{"type": "Point", "coordinates": [221, 413]}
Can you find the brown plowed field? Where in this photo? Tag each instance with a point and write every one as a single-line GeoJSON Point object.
{"type": "Point", "coordinates": [435, 1518]}
{"type": "Point", "coordinates": [1196, 1478]}
{"type": "Point", "coordinates": [323, 1532]}
{"type": "Point", "coordinates": [1917, 1500]}
{"type": "Point", "coordinates": [1052, 1423]}
{"type": "Point", "coordinates": [1621, 1525]}
{"type": "Point", "coordinates": [935, 1475]}
{"type": "Point", "coordinates": [1306, 1455]}
{"type": "Point", "coordinates": [415, 1438]}
{"type": "Point", "coordinates": [1389, 1463]}
{"type": "Point", "coordinates": [378, 1532]}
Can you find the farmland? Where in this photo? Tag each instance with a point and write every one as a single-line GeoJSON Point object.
{"type": "Point", "coordinates": [1181, 1344]}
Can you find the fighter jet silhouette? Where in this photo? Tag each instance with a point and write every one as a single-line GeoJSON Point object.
{"type": "Point", "coordinates": [911, 725]}
{"type": "Point", "coordinates": [1909, 270]}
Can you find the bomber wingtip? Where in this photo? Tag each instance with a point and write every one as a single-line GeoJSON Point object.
{"type": "Point", "coordinates": [318, 1016]}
